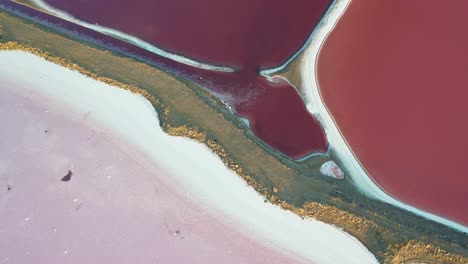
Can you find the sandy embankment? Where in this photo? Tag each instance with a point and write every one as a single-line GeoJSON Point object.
{"type": "Point", "coordinates": [338, 144]}
{"type": "Point", "coordinates": [42, 5]}
{"type": "Point", "coordinates": [170, 187]}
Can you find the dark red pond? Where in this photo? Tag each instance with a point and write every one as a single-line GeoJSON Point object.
{"type": "Point", "coordinates": [394, 76]}
{"type": "Point", "coordinates": [247, 35]}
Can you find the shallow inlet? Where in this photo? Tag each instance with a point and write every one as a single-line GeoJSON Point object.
{"type": "Point", "coordinates": [251, 36]}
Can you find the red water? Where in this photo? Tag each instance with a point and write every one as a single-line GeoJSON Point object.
{"type": "Point", "coordinates": [247, 35]}
{"type": "Point", "coordinates": [394, 76]}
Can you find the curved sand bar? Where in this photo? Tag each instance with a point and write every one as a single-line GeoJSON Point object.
{"type": "Point", "coordinates": [128, 38]}
{"type": "Point", "coordinates": [310, 91]}
{"type": "Point", "coordinates": [190, 168]}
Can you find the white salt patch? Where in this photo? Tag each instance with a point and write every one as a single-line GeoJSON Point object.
{"type": "Point", "coordinates": [330, 169]}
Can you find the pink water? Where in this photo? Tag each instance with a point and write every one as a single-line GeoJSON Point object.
{"type": "Point", "coordinates": [118, 207]}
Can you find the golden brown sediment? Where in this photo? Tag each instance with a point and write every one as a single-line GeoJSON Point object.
{"type": "Point", "coordinates": [322, 212]}
{"type": "Point", "coordinates": [418, 252]}
{"type": "Point", "coordinates": [182, 131]}
{"type": "Point", "coordinates": [358, 226]}
{"type": "Point", "coordinates": [326, 213]}
{"type": "Point", "coordinates": [60, 61]}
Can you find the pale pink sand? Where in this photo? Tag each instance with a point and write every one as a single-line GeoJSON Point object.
{"type": "Point", "coordinates": [117, 207]}
{"type": "Point", "coordinates": [124, 203]}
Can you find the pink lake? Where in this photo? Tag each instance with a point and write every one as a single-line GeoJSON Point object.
{"type": "Point", "coordinates": [117, 206]}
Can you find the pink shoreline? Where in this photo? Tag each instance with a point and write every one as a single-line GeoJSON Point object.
{"type": "Point", "coordinates": [203, 179]}
{"type": "Point", "coordinates": [117, 207]}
